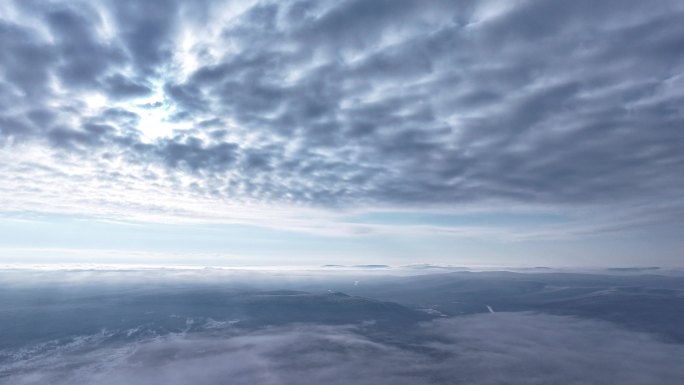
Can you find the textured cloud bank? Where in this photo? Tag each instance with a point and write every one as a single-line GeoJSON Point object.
{"type": "Point", "coordinates": [501, 348]}
{"type": "Point", "coordinates": [339, 102]}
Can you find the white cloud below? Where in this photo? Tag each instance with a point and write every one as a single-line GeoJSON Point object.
{"type": "Point", "coordinates": [486, 349]}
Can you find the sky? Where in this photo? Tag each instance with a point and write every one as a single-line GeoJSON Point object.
{"type": "Point", "coordinates": [398, 132]}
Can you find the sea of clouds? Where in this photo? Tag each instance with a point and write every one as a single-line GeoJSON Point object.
{"type": "Point", "coordinates": [495, 348]}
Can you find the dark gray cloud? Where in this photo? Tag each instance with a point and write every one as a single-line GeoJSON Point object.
{"type": "Point", "coordinates": [147, 29]}
{"type": "Point", "coordinates": [193, 154]}
{"type": "Point", "coordinates": [119, 86]}
{"type": "Point", "coordinates": [27, 61]}
{"type": "Point", "coordinates": [91, 135]}
{"type": "Point", "coordinates": [83, 58]}
{"type": "Point", "coordinates": [502, 348]}
{"type": "Point", "coordinates": [356, 102]}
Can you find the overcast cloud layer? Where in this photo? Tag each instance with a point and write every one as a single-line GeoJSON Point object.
{"type": "Point", "coordinates": [183, 108]}
{"type": "Point", "coordinates": [502, 348]}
